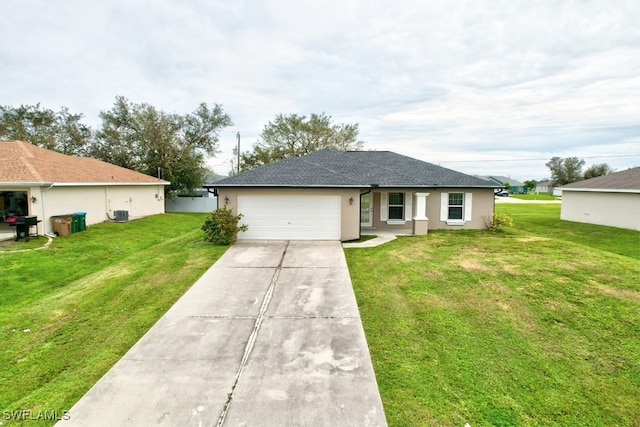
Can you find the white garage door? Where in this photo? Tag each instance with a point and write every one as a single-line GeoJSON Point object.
{"type": "Point", "coordinates": [288, 217]}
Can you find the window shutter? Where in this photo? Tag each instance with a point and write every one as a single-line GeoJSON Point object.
{"type": "Point", "coordinates": [408, 206]}
{"type": "Point", "coordinates": [384, 208]}
{"type": "Point", "coordinates": [467, 206]}
{"type": "Point", "coordinates": [444, 206]}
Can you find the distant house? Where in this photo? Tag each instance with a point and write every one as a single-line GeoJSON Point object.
{"type": "Point", "coordinates": [612, 200]}
{"type": "Point", "coordinates": [516, 187]}
{"type": "Point", "coordinates": [333, 195]}
{"type": "Point", "coordinates": [39, 182]}
{"type": "Point", "coordinates": [547, 187]}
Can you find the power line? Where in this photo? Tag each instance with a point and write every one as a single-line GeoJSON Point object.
{"type": "Point", "coordinates": [531, 160]}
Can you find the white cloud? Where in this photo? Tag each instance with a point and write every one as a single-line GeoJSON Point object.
{"type": "Point", "coordinates": [444, 80]}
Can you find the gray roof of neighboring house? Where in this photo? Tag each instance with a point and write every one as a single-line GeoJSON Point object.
{"type": "Point", "coordinates": [623, 180]}
{"type": "Point", "coordinates": [503, 180]}
{"type": "Point", "coordinates": [213, 177]}
{"type": "Point", "coordinates": [334, 168]}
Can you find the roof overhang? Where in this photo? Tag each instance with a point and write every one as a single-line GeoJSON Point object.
{"type": "Point", "coordinates": [346, 186]}
{"type": "Point", "coordinates": [601, 190]}
{"type": "Point", "coordinates": [78, 184]}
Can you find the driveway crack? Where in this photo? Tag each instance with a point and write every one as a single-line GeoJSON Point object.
{"type": "Point", "coordinates": [252, 337]}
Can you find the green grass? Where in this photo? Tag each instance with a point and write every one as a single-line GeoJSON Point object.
{"type": "Point", "coordinates": [68, 313]}
{"type": "Point", "coordinates": [543, 220]}
{"type": "Point", "coordinates": [534, 197]}
{"type": "Point", "coordinates": [536, 326]}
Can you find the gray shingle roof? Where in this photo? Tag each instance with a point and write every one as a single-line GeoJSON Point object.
{"type": "Point", "coordinates": [502, 180]}
{"type": "Point", "coordinates": [334, 168]}
{"type": "Point", "coordinates": [623, 180]}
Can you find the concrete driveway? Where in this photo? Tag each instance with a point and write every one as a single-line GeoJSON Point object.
{"type": "Point", "coordinates": [270, 335]}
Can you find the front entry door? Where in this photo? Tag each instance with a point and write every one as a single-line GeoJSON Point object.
{"type": "Point", "coordinates": [366, 210]}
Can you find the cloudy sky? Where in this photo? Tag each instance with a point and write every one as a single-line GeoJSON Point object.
{"type": "Point", "coordinates": [484, 87]}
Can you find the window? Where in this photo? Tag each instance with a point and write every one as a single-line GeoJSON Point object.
{"type": "Point", "coordinates": [396, 206]}
{"type": "Point", "coordinates": [456, 208]}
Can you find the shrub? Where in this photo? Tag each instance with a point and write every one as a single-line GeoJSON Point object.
{"type": "Point", "coordinates": [498, 222]}
{"type": "Point", "coordinates": [221, 227]}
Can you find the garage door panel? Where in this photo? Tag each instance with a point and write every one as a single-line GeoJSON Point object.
{"type": "Point", "coordinates": [289, 217]}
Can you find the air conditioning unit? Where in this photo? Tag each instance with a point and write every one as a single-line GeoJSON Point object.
{"type": "Point", "coordinates": [121, 216]}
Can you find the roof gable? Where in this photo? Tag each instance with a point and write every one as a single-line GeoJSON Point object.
{"type": "Point", "coordinates": [22, 162]}
{"type": "Point", "coordinates": [334, 168]}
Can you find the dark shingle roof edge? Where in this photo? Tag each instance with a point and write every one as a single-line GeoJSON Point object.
{"type": "Point", "coordinates": [626, 181]}
{"type": "Point", "coordinates": [330, 168]}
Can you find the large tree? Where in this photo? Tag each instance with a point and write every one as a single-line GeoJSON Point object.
{"type": "Point", "coordinates": [151, 141]}
{"type": "Point", "coordinates": [599, 169]}
{"type": "Point", "coordinates": [565, 171]}
{"type": "Point", "coordinates": [530, 185]}
{"type": "Point", "coordinates": [55, 130]}
{"type": "Point", "coordinates": [295, 135]}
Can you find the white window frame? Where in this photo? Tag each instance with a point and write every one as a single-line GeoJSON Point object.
{"type": "Point", "coordinates": [407, 208]}
{"type": "Point", "coordinates": [455, 206]}
{"type": "Point", "coordinates": [467, 200]}
{"type": "Point", "coordinates": [401, 206]}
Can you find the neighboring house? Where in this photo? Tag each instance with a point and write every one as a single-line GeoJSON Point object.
{"type": "Point", "coordinates": [517, 187]}
{"type": "Point", "coordinates": [332, 195]}
{"type": "Point", "coordinates": [544, 187]}
{"type": "Point", "coordinates": [612, 200]}
{"type": "Point", "coordinates": [547, 187]}
{"type": "Point", "coordinates": [45, 183]}
{"type": "Point", "coordinates": [202, 200]}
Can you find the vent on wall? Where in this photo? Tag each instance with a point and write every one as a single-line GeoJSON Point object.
{"type": "Point", "coordinates": [121, 216]}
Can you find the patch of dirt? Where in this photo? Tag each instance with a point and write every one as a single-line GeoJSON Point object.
{"type": "Point", "coordinates": [472, 264]}
{"type": "Point", "coordinates": [533, 239]}
{"type": "Point", "coordinates": [497, 287]}
{"type": "Point", "coordinates": [625, 294]}
{"type": "Point", "coordinates": [7, 243]}
{"type": "Point", "coordinates": [405, 256]}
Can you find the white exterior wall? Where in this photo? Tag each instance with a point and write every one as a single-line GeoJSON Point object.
{"type": "Point", "coordinates": [98, 201]}
{"type": "Point", "coordinates": [602, 208]}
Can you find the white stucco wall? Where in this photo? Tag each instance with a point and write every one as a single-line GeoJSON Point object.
{"type": "Point", "coordinates": [98, 201]}
{"type": "Point", "coordinates": [615, 209]}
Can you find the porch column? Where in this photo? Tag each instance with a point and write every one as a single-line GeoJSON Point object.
{"type": "Point", "coordinates": [420, 220]}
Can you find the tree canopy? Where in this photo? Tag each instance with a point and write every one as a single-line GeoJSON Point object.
{"type": "Point", "coordinates": [294, 135]}
{"type": "Point", "coordinates": [565, 171]}
{"type": "Point", "coordinates": [60, 131]}
{"type": "Point", "coordinates": [530, 185]}
{"type": "Point", "coordinates": [568, 170]}
{"type": "Point", "coordinates": [599, 169]}
{"type": "Point", "coordinates": [148, 140]}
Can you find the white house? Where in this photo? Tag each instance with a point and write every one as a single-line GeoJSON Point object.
{"type": "Point", "coordinates": [612, 200]}
{"type": "Point", "coordinates": [45, 183]}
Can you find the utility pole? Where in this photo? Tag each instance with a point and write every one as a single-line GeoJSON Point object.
{"type": "Point", "coordinates": [238, 165]}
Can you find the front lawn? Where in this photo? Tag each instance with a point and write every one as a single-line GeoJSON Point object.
{"type": "Point", "coordinates": [68, 313]}
{"type": "Point", "coordinates": [537, 326]}
{"type": "Point", "coordinates": [534, 197]}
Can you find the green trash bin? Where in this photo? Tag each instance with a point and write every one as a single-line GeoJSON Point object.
{"type": "Point", "coordinates": [74, 223]}
{"type": "Point", "coordinates": [81, 220]}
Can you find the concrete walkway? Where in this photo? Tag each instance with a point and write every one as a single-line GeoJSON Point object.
{"type": "Point", "coordinates": [381, 238]}
{"type": "Point", "coordinates": [269, 336]}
